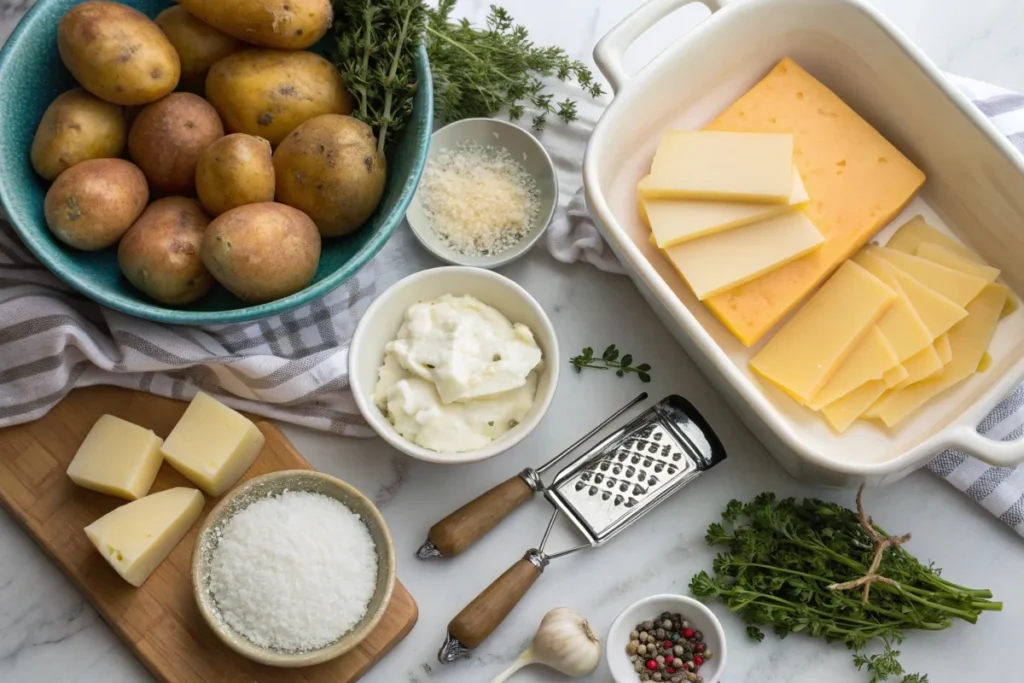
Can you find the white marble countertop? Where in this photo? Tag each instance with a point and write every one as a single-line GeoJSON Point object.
{"type": "Point", "coordinates": [49, 633]}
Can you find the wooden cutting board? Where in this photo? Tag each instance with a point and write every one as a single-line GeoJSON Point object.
{"type": "Point", "coordinates": [159, 621]}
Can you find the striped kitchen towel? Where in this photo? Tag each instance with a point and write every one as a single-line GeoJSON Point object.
{"type": "Point", "coordinates": [1000, 490]}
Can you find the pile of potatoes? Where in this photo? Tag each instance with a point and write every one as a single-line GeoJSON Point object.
{"type": "Point", "coordinates": [248, 152]}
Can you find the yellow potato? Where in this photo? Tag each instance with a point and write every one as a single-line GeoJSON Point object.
{"type": "Point", "coordinates": [94, 202]}
{"type": "Point", "coordinates": [198, 44]}
{"type": "Point", "coordinates": [117, 53]}
{"type": "Point", "coordinates": [233, 171]}
{"type": "Point", "coordinates": [262, 252]}
{"type": "Point", "coordinates": [285, 24]}
{"type": "Point", "coordinates": [160, 253]}
{"type": "Point", "coordinates": [168, 136]}
{"type": "Point", "coordinates": [75, 127]}
{"type": "Point", "coordinates": [330, 169]}
{"type": "Point", "coordinates": [269, 93]}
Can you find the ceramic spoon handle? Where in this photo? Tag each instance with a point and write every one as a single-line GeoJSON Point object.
{"type": "Point", "coordinates": [478, 619]}
{"type": "Point", "coordinates": [469, 523]}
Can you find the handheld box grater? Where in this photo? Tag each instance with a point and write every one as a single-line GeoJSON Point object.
{"type": "Point", "coordinates": [603, 491]}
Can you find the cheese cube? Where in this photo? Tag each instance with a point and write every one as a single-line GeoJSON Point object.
{"type": "Point", "coordinates": [915, 232]}
{"type": "Point", "coordinates": [969, 340]}
{"type": "Point", "coordinates": [136, 537]}
{"type": "Point", "coordinates": [212, 445]}
{"type": "Point", "coordinates": [738, 167]}
{"type": "Point", "coordinates": [870, 359]}
{"type": "Point", "coordinates": [677, 220]}
{"type": "Point", "coordinates": [950, 259]}
{"type": "Point", "coordinates": [807, 351]}
{"type": "Point", "coordinates": [958, 287]}
{"type": "Point", "coordinates": [724, 260]}
{"type": "Point", "coordinates": [118, 458]}
{"type": "Point", "coordinates": [856, 179]}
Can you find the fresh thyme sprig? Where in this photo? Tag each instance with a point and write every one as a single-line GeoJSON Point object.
{"type": "Point", "coordinates": [610, 360]}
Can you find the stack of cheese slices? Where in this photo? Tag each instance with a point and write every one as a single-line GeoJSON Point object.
{"type": "Point", "coordinates": [725, 207]}
{"type": "Point", "coordinates": [893, 328]}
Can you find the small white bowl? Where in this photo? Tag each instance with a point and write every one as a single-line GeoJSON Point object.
{"type": "Point", "coordinates": [379, 325]}
{"type": "Point", "coordinates": [700, 617]}
{"type": "Point", "coordinates": [525, 149]}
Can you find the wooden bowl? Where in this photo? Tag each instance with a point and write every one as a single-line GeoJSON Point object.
{"type": "Point", "coordinates": [272, 484]}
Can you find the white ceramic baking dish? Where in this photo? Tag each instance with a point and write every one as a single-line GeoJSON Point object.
{"type": "Point", "coordinates": [975, 190]}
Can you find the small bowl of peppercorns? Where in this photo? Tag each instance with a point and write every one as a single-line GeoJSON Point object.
{"type": "Point", "coordinates": [666, 639]}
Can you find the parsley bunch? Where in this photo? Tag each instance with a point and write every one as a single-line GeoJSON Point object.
{"type": "Point", "coordinates": [787, 563]}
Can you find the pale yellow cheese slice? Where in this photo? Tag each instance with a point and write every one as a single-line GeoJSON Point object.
{"type": "Point", "coordinates": [985, 363]}
{"type": "Point", "coordinates": [937, 312]}
{"type": "Point", "coordinates": [950, 259]}
{"type": "Point", "coordinates": [212, 445]}
{"type": "Point", "coordinates": [744, 167]}
{"type": "Point", "coordinates": [920, 366]}
{"type": "Point", "coordinates": [943, 348]}
{"type": "Point", "coordinates": [1011, 305]}
{"type": "Point", "coordinates": [915, 232]}
{"type": "Point", "coordinates": [843, 412]}
{"type": "Point", "coordinates": [805, 353]}
{"type": "Point", "coordinates": [677, 220]}
{"type": "Point", "coordinates": [894, 376]}
{"type": "Point", "coordinates": [135, 538]}
{"type": "Point", "coordinates": [869, 360]}
{"type": "Point", "coordinates": [969, 340]}
{"type": "Point", "coordinates": [118, 458]}
{"type": "Point", "coordinates": [958, 287]}
{"type": "Point", "coordinates": [724, 260]}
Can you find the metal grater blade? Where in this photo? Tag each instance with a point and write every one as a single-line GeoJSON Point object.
{"type": "Point", "coordinates": [632, 470]}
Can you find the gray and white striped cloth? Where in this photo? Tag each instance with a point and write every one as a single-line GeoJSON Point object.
{"type": "Point", "coordinates": [1000, 490]}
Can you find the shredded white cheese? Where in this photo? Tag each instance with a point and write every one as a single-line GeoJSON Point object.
{"type": "Point", "coordinates": [479, 199]}
{"type": "Point", "coordinates": [293, 572]}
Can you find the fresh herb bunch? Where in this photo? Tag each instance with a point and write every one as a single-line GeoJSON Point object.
{"type": "Point", "coordinates": [479, 71]}
{"type": "Point", "coordinates": [374, 51]}
{"type": "Point", "coordinates": [788, 566]}
{"type": "Point", "coordinates": [610, 359]}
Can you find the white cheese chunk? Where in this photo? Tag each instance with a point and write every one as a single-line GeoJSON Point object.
{"type": "Point", "coordinates": [212, 445]}
{"type": "Point", "coordinates": [135, 538]}
{"type": "Point", "coordinates": [118, 458]}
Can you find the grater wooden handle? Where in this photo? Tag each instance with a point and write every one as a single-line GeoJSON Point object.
{"type": "Point", "coordinates": [469, 523]}
{"type": "Point", "coordinates": [479, 618]}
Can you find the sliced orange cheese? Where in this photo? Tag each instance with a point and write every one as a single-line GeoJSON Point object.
{"type": "Point", "coordinates": [969, 340]}
{"type": "Point", "coordinates": [723, 166]}
{"type": "Point", "coordinates": [915, 232]}
{"type": "Point", "coordinates": [856, 179]}
{"type": "Point", "coordinates": [843, 412]}
{"type": "Point", "coordinates": [869, 360]}
{"type": "Point", "coordinates": [718, 262]}
{"type": "Point", "coordinates": [946, 257]}
{"type": "Point", "coordinates": [943, 348]}
{"type": "Point", "coordinates": [958, 287]}
{"type": "Point", "coordinates": [808, 350]}
{"type": "Point", "coordinates": [673, 221]}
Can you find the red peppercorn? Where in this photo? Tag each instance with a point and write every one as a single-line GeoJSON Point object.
{"type": "Point", "coordinates": [698, 660]}
{"type": "Point", "coordinates": [652, 665]}
{"type": "Point", "coordinates": [669, 670]}
{"type": "Point", "coordinates": [700, 647]}
{"type": "Point", "coordinates": [667, 645]}
{"type": "Point", "coordinates": [687, 633]}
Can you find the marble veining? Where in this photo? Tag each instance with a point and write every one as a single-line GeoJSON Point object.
{"type": "Point", "coordinates": [49, 634]}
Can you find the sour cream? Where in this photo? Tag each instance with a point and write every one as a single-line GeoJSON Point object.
{"type": "Point", "coordinates": [458, 375]}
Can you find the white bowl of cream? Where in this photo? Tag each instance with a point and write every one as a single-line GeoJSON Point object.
{"type": "Point", "coordinates": [454, 365]}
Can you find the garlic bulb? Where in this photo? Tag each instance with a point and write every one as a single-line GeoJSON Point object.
{"type": "Point", "coordinates": [564, 641]}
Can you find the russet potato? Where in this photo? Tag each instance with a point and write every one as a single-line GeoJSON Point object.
{"type": "Point", "coordinates": [330, 169]}
{"type": "Point", "coordinates": [235, 170]}
{"type": "Point", "coordinates": [285, 24]}
{"type": "Point", "coordinates": [94, 202]}
{"type": "Point", "coordinates": [75, 127]}
{"type": "Point", "coordinates": [168, 136]}
{"type": "Point", "coordinates": [262, 252]}
{"type": "Point", "coordinates": [117, 53]}
{"type": "Point", "coordinates": [160, 255]}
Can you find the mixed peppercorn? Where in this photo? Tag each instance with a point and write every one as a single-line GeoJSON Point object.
{"type": "Point", "coordinates": [668, 650]}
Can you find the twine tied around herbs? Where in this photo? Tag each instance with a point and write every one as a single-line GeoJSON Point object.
{"type": "Point", "coordinates": [882, 543]}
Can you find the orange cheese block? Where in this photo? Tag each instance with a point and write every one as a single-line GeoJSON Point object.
{"type": "Point", "coordinates": [856, 179]}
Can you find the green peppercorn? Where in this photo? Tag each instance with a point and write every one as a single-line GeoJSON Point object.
{"type": "Point", "coordinates": [708, 654]}
{"type": "Point", "coordinates": [660, 634]}
{"type": "Point", "coordinates": [631, 647]}
{"type": "Point", "coordinates": [677, 651]}
{"type": "Point", "coordinates": [656, 676]}
{"type": "Point", "coordinates": [667, 624]}
{"type": "Point", "coordinates": [641, 649]}
{"type": "Point", "coordinates": [633, 635]}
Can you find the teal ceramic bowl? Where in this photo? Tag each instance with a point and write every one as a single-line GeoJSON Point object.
{"type": "Point", "coordinates": [32, 75]}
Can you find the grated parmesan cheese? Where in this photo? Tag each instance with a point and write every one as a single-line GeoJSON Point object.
{"type": "Point", "coordinates": [293, 572]}
{"type": "Point", "coordinates": [478, 199]}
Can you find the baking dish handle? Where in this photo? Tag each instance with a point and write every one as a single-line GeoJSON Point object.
{"type": "Point", "coordinates": [997, 453]}
{"type": "Point", "coordinates": [610, 50]}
